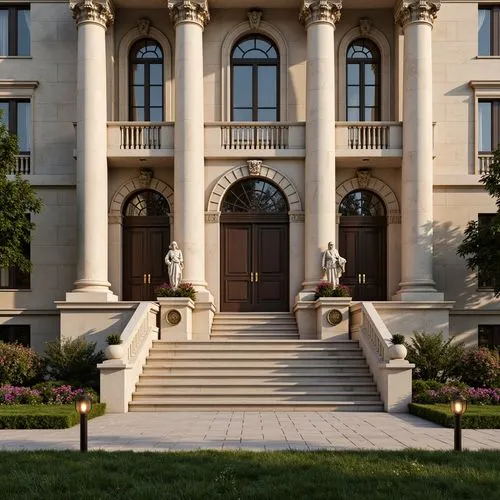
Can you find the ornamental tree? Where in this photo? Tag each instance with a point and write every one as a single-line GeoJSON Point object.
{"type": "Point", "coordinates": [17, 199]}
{"type": "Point", "coordinates": [481, 245]}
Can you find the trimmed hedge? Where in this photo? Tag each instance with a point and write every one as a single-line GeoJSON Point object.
{"type": "Point", "coordinates": [44, 416]}
{"type": "Point", "coordinates": [476, 417]}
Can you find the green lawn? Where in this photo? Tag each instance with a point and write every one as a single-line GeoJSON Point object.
{"type": "Point", "coordinates": [476, 416]}
{"type": "Point", "coordinates": [230, 475]}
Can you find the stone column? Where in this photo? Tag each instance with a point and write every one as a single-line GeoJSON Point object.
{"type": "Point", "coordinates": [319, 18]}
{"type": "Point", "coordinates": [189, 17]}
{"type": "Point", "coordinates": [92, 18]}
{"type": "Point", "coordinates": [416, 18]}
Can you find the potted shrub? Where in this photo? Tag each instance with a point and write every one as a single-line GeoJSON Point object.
{"type": "Point", "coordinates": [326, 289]}
{"type": "Point", "coordinates": [398, 349]}
{"type": "Point", "coordinates": [183, 290]}
{"type": "Point", "coordinates": [114, 349]}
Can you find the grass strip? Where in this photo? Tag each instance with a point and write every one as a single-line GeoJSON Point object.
{"type": "Point", "coordinates": [476, 416]}
{"type": "Point", "coordinates": [44, 416]}
{"type": "Point", "coordinates": [280, 475]}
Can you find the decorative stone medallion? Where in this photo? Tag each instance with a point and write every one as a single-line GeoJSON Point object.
{"type": "Point", "coordinates": [173, 317]}
{"type": "Point", "coordinates": [334, 317]}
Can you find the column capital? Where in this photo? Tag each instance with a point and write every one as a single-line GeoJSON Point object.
{"type": "Point", "coordinates": [189, 11]}
{"type": "Point", "coordinates": [416, 11]}
{"type": "Point", "coordinates": [320, 11]}
{"type": "Point", "coordinates": [92, 11]}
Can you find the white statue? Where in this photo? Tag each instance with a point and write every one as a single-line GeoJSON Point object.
{"type": "Point", "coordinates": [175, 264]}
{"type": "Point", "coordinates": [333, 264]}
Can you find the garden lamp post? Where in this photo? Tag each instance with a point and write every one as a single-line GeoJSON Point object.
{"type": "Point", "coordinates": [83, 405]}
{"type": "Point", "coordinates": [458, 407]}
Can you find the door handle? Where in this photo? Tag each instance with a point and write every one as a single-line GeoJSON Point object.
{"type": "Point", "coordinates": [251, 277]}
{"type": "Point", "coordinates": [364, 279]}
{"type": "Point", "coordinates": [149, 279]}
{"type": "Point", "coordinates": [256, 277]}
{"type": "Point", "coordinates": [144, 278]}
{"type": "Point", "coordinates": [359, 278]}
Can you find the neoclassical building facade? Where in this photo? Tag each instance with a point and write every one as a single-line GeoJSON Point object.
{"type": "Point", "coordinates": [253, 134]}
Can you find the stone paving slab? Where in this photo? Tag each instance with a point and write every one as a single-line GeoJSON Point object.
{"type": "Point", "coordinates": [252, 431]}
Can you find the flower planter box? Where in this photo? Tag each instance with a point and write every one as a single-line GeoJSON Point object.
{"type": "Point", "coordinates": [332, 318]}
{"type": "Point", "coordinates": [176, 323]}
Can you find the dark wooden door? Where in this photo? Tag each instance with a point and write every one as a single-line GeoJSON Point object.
{"type": "Point", "coordinates": [145, 243]}
{"type": "Point", "coordinates": [362, 241]}
{"type": "Point", "coordinates": [254, 265]}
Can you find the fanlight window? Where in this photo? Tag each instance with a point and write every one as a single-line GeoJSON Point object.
{"type": "Point", "coordinates": [363, 81]}
{"type": "Point", "coordinates": [146, 203]}
{"type": "Point", "coordinates": [255, 80]}
{"type": "Point", "coordinates": [254, 196]}
{"type": "Point", "coordinates": [362, 203]}
{"type": "Point", "coordinates": [146, 81]}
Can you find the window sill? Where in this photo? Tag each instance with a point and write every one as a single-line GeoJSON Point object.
{"type": "Point", "coordinates": [15, 290]}
{"type": "Point", "coordinates": [487, 57]}
{"type": "Point", "coordinates": [16, 57]}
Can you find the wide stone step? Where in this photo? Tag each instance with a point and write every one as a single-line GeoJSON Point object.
{"type": "Point", "coordinates": [253, 379]}
{"type": "Point", "coordinates": [260, 345]}
{"type": "Point", "coordinates": [257, 362]}
{"type": "Point", "coordinates": [244, 327]}
{"type": "Point", "coordinates": [214, 405]}
{"type": "Point", "coordinates": [325, 354]}
{"type": "Point", "coordinates": [235, 369]}
{"type": "Point", "coordinates": [245, 336]}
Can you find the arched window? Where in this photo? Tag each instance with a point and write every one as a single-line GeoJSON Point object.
{"type": "Point", "coordinates": [146, 81]}
{"type": "Point", "coordinates": [146, 203]}
{"type": "Point", "coordinates": [255, 80]}
{"type": "Point", "coordinates": [362, 203]}
{"type": "Point", "coordinates": [363, 81]}
{"type": "Point", "coordinates": [254, 196]}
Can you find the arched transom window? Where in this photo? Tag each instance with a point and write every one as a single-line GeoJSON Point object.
{"type": "Point", "coordinates": [254, 196]}
{"type": "Point", "coordinates": [255, 80]}
{"type": "Point", "coordinates": [363, 81]}
{"type": "Point", "coordinates": [146, 81]}
{"type": "Point", "coordinates": [146, 203]}
{"type": "Point", "coordinates": [362, 203]}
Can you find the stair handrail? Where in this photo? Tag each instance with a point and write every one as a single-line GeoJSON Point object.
{"type": "Point", "coordinates": [392, 376]}
{"type": "Point", "coordinates": [120, 376]}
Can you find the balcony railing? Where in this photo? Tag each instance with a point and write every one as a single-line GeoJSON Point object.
{"type": "Point", "coordinates": [23, 165]}
{"type": "Point", "coordinates": [484, 162]}
{"type": "Point", "coordinates": [254, 136]}
{"type": "Point", "coordinates": [139, 137]}
{"type": "Point", "coordinates": [368, 136]}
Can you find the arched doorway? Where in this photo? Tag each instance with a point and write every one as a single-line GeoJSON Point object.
{"type": "Point", "coordinates": [146, 235]}
{"type": "Point", "coordinates": [362, 241]}
{"type": "Point", "coordinates": [254, 248]}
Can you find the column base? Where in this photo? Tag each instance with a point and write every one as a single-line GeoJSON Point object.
{"type": "Point", "coordinates": [91, 291]}
{"type": "Point", "coordinates": [418, 292]}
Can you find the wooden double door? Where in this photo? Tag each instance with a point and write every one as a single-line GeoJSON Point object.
{"type": "Point", "coordinates": [362, 241]}
{"type": "Point", "coordinates": [254, 263]}
{"type": "Point", "coordinates": [145, 243]}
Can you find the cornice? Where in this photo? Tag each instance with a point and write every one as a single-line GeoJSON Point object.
{"type": "Point", "coordinates": [92, 11]}
{"type": "Point", "coordinates": [320, 11]}
{"type": "Point", "coordinates": [189, 11]}
{"type": "Point", "coordinates": [416, 11]}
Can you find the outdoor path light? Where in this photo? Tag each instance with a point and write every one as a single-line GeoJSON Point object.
{"type": "Point", "coordinates": [83, 404]}
{"type": "Point", "coordinates": [458, 407]}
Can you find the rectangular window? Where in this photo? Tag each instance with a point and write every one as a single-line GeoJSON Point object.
{"type": "Point", "coordinates": [19, 334]}
{"type": "Point", "coordinates": [488, 336]}
{"type": "Point", "coordinates": [483, 280]}
{"type": "Point", "coordinates": [15, 37]}
{"type": "Point", "coordinates": [488, 125]}
{"type": "Point", "coordinates": [16, 114]}
{"type": "Point", "coordinates": [11, 277]}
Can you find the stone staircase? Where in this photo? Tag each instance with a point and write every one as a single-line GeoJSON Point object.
{"type": "Point", "coordinates": [253, 367]}
{"type": "Point", "coordinates": [254, 326]}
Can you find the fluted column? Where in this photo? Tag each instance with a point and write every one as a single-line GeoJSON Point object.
{"type": "Point", "coordinates": [319, 18]}
{"type": "Point", "coordinates": [189, 17]}
{"type": "Point", "coordinates": [92, 19]}
{"type": "Point", "coordinates": [416, 18]}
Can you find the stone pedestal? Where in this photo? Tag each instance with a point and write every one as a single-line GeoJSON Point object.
{"type": "Point", "coordinates": [203, 315]}
{"type": "Point", "coordinates": [176, 318]}
{"type": "Point", "coordinates": [332, 318]}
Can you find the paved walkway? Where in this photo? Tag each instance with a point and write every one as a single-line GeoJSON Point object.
{"type": "Point", "coordinates": [256, 431]}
